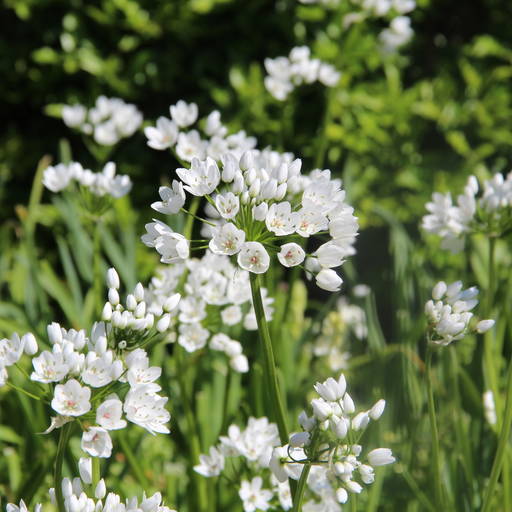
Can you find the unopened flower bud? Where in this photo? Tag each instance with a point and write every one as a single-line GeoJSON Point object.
{"type": "Point", "coordinates": [376, 411]}
{"type": "Point", "coordinates": [484, 325]}
{"type": "Point", "coordinates": [138, 292]}
{"type": "Point", "coordinates": [113, 296]}
{"type": "Point", "coordinates": [106, 314]}
{"type": "Point", "coordinates": [163, 324]}
{"type": "Point", "coordinates": [299, 439]}
{"type": "Point", "coordinates": [112, 278]}
{"type": "Point", "coordinates": [54, 333]}
{"type": "Point", "coordinates": [100, 490]}
{"type": "Point", "coordinates": [131, 302]}
{"type": "Point", "coordinates": [260, 212]}
{"type": "Point", "coordinates": [30, 344]}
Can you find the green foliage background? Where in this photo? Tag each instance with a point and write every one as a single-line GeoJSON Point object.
{"type": "Point", "coordinates": [397, 128]}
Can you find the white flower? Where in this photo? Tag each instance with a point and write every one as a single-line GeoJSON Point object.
{"type": "Point", "coordinates": [100, 371]}
{"type": "Point", "coordinates": [96, 442]}
{"type": "Point", "coordinates": [280, 219]}
{"type": "Point", "coordinates": [145, 408]}
{"type": "Point", "coordinates": [227, 239]}
{"type": "Point", "coordinates": [231, 315]}
{"type": "Point", "coordinates": [202, 178]}
{"type": "Point", "coordinates": [108, 414]}
{"type": "Point", "coordinates": [330, 255]}
{"type": "Point", "coordinates": [57, 178]}
{"type": "Point", "coordinates": [71, 399]}
{"type": "Point", "coordinates": [328, 280]}
{"type": "Point", "coordinates": [210, 465]}
{"type": "Point", "coordinates": [253, 257]}
{"type": "Point", "coordinates": [173, 199]}
{"type": "Point", "coordinates": [163, 136]}
{"type": "Point", "coordinates": [184, 114]}
{"type": "Point", "coordinates": [192, 337]}
{"type": "Point", "coordinates": [253, 496]}
{"type": "Point", "coordinates": [381, 457]}
{"type": "Point", "coordinates": [173, 247]}
{"type": "Point", "coordinates": [227, 204]}
{"type": "Point", "coordinates": [74, 115]}
{"type": "Point", "coordinates": [291, 255]}
{"type": "Point", "coordinates": [332, 390]}
{"type": "Point", "coordinates": [190, 146]}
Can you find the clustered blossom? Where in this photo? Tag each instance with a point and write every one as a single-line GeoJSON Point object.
{"type": "Point", "coordinates": [449, 313]}
{"type": "Point", "coordinates": [216, 298]}
{"type": "Point", "coordinates": [286, 73]}
{"type": "Point", "coordinates": [255, 203]}
{"type": "Point", "coordinates": [329, 442]}
{"type": "Point", "coordinates": [210, 139]}
{"type": "Point", "coordinates": [399, 31]}
{"type": "Point", "coordinates": [488, 213]}
{"type": "Point", "coordinates": [109, 121]}
{"type": "Point", "coordinates": [76, 494]}
{"type": "Point", "coordinates": [346, 320]}
{"type": "Point", "coordinates": [253, 446]}
{"type": "Point", "coordinates": [106, 183]}
{"type": "Point", "coordinates": [81, 370]}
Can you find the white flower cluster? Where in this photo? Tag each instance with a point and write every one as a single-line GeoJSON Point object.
{"type": "Point", "coordinates": [109, 121]}
{"type": "Point", "coordinates": [399, 31]}
{"type": "Point", "coordinates": [336, 329]}
{"type": "Point", "coordinates": [254, 445]}
{"type": "Point", "coordinates": [491, 213]}
{"type": "Point", "coordinates": [449, 313]}
{"type": "Point", "coordinates": [83, 372]}
{"type": "Point", "coordinates": [216, 297]}
{"type": "Point", "coordinates": [287, 73]}
{"type": "Point", "coordinates": [76, 499]}
{"type": "Point", "coordinates": [258, 200]}
{"type": "Point", "coordinates": [329, 442]}
{"type": "Point", "coordinates": [212, 140]}
{"type": "Point", "coordinates": [105, 183]}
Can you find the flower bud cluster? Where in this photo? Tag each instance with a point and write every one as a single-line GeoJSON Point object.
{"type": "Point", "coordinates": [216, 298]}
{"type": "Point", "coordinates": [330, 443]}
{"type": "Point", "coordinates": [253, 203]}
{"type": "Point", "coordinates": [210, 140]}
{"type": "Point", "coordinates": [449, 313]}
{"type": "Point", "coordinates": [286, 73]}
{"type": "Point", "coordinates": [105, 183]}
{"type": "Point", "coordinates": [109, 121]}
{"type": "Point", "coordinates": [78, 491]}
{"type": "Point", "coordinates": [81, 375]}
{"type": "Point", "coordinates": [489, 213]}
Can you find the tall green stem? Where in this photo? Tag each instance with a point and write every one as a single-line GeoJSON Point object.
{"type": "Point", "coordinates": [502, 445]}
{"type": "Point", "coordinates": [269, 363]}
{"type": "Point", "coordinates": [59, 460]}
{"type": "Point", "coordinates": [433, 429]}
{"type": "Point", "coordinates": [301, 486]}
{"type": "Point", "coordinates": [97, 277]}
{"type": "Point", "coordinates": [132, 461]}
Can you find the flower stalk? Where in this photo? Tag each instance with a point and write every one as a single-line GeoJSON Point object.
{"type": "Point", "coordinates": [438, 491]}
{"type": "Point", "coordinates": [502, 445]}
{"type": "Point", "coordinates": [65, 432]}
{"type": "Point", "coordinates": [269, 363]}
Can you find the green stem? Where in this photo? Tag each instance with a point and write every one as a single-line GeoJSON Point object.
{"type": "Point", "coordinates": [502, 445]}
{"type": "Point", "coordinates": [269, 366]}
{"type": "Point", "coordinates": [301, 486]}
{"type": "Point", "coordinates": [95, 472]}
{"type": "Point", "coordinates": [433, 429]}
{"type": "Point", "coordinates": [192, 431]}
{"type": "Point", "coordinates": [225, 408]}
{"type": "Point", "coordinates": [132, 461]}
{"type": "Point", "coordinates": [353, 503]}
{"type": "Point", "coordinates": [97, 277]}
{"type": "Point", "coordinates": [59, 459]}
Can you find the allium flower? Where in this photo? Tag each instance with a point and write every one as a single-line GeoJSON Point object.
{"type": "Point", "coordinates": [104, 183]}
{"type": "Point", "coordinates": [260, 206]}
{"type": "Point", "coordinates": [336, 469]}
{"type": "Point", "coordinates": [253, 496]}
{"type": "Point", "coordinates": [490, 213]}
{"type": "Point", "coordinates": [449, 313]}
{"type": "Point", "coordinates": [71, 399]}
{"type": "Point", "coordinates": [286, 73]}
{"type": "Point", "coordinates": [398, 34]}
{"type": "Point", "coordinates": [96, 442]}
{"type": "Point", "coordinates": [163, 136]}
{"type": "Point", "coordinates": [210, 465]}
{"type": "Point", "coordinates": [109, 121]}
{"type": "Point", "coordinates": [108, 414]}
